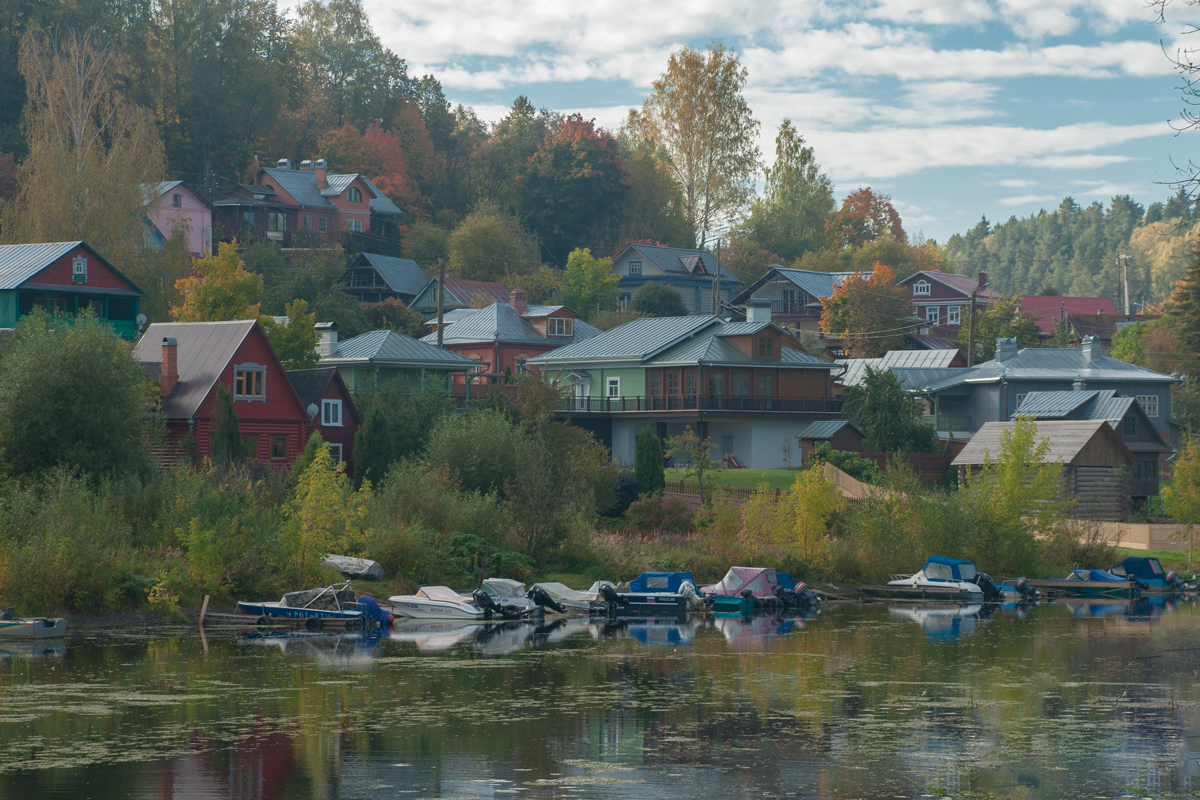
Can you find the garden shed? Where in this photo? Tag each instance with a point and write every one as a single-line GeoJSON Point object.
{"type": "Point", "coordinates": [1096, 463]}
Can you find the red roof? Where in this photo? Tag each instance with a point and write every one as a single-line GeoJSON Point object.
{"type": "Point", "coordinates": [464, 290]}
{"type": "Point", "coordinates": [1049, 309]}
{"type": "Point", "coordinates": [960, 283]}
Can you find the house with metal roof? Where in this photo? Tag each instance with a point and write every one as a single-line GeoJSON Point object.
{"type": "Point", "coordinates": [839, 433]}
{"type": "Point", "coordinates": [746, 386]}
{"type": "Point", "coordinates": [993, 390]}
{"type": "Point", "coordinates": [795, 294]}
{"type": "Point", "coordinates": [331, 410]}
{"type": "Point", "coordinates": [174, 204]}
{"type": "Point", "coordinates": [503, 336]}
{"type": "Point", "coordinates": [191, 359]}
{"type": "Point", "coordinates": [373, 278]}
{"type": "Point", "coordinates": [387, 358]}
{"type": "Point", "coordinates": [460, 293]}
{"type": "Point", "coordinates": [1051, 311]}
{"type": "Point", "coordinates": [282, 201]}
{"type": "Point", "coordinates": [943, 299]}
{"type": "Point", "coordinates": [695, 274]}
{"type": "Point", "coordinates": [1123, 414]}
{"type": "Point", "coordinates": [63, 279]}
{"type": "Point", "coordinates": [1096, 463]}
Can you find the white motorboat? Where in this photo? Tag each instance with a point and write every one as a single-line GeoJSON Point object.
{"type": "Point", "coordinates": [943, 623]}
{"type": "Point", "coordinates": [509, 595]}
{"type": "Point", "coordinates": [436, 602]}
{"type": "Point", "coordinates": [951, 576]}
{"type": "Point", "coordinates": [575, 600]}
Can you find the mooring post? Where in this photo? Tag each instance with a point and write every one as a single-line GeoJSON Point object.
{"type": "Point", "coordinates": [203, 610]}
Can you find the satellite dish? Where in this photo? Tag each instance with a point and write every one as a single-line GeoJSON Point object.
{"type": "Point", "coordinates": [312, 409]}
{"type": "Point", "coordinates": [141, 320]}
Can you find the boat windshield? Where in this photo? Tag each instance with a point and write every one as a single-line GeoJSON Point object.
{"type": "Point", "coordinates": [1155, 566]}
{"type": "Point", "coordinates": [967, 571]}
{"type": "Point", "coordinates": [939, 572]}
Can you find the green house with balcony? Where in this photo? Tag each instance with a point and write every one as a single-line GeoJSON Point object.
{"type": "Point", "coordinates": [64, 279]}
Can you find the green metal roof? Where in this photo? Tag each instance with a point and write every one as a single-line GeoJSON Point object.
{"type": "Point", "coordinates": [395, 350]}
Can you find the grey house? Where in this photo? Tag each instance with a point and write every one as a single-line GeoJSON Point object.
{"type": "Point", "coordinates": [373, 278]}
{"type": "Point", "coordinates": [992, 391]}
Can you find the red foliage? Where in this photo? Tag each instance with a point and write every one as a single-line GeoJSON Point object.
{"type": "Point", "coordinates": [376, 154]}
{"type": "Point", "coordinates": [865, 217]}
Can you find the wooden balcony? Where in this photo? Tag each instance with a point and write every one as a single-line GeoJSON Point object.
{"type": "Point", "coordinates": [668, 403]}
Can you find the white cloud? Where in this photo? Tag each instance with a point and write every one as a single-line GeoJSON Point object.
{"type": "Point", "coordinates": [1015, 183]}
{"type": "Point", "coordinates": [1027, 199]}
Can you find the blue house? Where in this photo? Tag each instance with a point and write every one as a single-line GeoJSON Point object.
{"type": "Point", "coordinates": [691, 272]}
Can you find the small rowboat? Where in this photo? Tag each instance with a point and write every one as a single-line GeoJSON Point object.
{"type": "Point", "coordinates": [32, 628]}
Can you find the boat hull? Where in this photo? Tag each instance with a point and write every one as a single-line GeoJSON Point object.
{"type": "Point", "coordinates": [33, 628]}
{"type": "Point", "coordinates": [271, 609]}
{"type": "Point", "coordinates": [726, 604]}
{"type": "Point", "coordinates": [651, 604]}
{"type": "Point", "coordinates": [951, 593]}
{"type": "Point", "coordinates": [415, 607]}
{"type": "Point", "coordinates": [1088, 588]}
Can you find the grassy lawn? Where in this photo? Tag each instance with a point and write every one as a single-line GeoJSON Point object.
{"type": "Point", "coordinates": [743, 478]}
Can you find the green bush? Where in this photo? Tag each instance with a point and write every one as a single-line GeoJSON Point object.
{"type": "Point", "coordinates": [852, 464]}
{"type": "Point", "coordinates": [660, 513]}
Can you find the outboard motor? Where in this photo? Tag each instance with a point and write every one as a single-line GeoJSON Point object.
{"type": "Point", "coordinates": [490, 606]}
{"type": "Point", "coordinates": [695, 602]}
{"type": "Point", "coordinates": [1173, 580]}
{"type": "Point", "coordinates": [787, 597]}
{"type": "Point", "coordinates": [612, 598]}
{"type": "Point", "coordinates": [991, 592]}
{"type": "Point", "coordinates": [541, 597]}
{"type": "Point", "coordinates": [1027, 591]}
{"type": "Point", "coordinates": [806, 598]}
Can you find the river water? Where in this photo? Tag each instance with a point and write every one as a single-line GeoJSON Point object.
{"type": "Point", "coordinates": [1082, 700]}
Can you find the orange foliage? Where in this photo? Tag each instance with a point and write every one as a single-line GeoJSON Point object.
{"type": "Point", "coordinates": [374, 153]}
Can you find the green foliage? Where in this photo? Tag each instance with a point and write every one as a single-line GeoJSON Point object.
{"type": "Point", "coordinates": [479, 451]}
{"type": "Point", "coordinates": [425, 243]}
{"type": "Point", "coordinates": [1181, 499]}
{"type": "Point", "coordinates": [393, 315]}
{"type": "Point", "coordinates": [648, 465]}
{"type": "Point", "coordinates": [850, 463]}
{"type": "Point", "coordinates": [397, 423]}
{"type": "Point", "coordinates": [693, 453]}
{"type": "Point", "coordinates": [658, 300]}
{"type": "Point", "coordinates": [888, 415]}
{"type": "Point", "coordinates": [225, 446]}
{"type": "Point", "coordinates": [325, 515]}
{"type": "Point", "coordinates": [660, 513]}
{"type": "Point", "coordinates": [589, 284]}
{"type": "Point", "coordinates": [311, 448]}
{"type": "Point", "coordinates": [220, 289]}
{"type": "Point", "coordinates": [489, 244]}
{"type": "Point", "coordinates": [294, 340]}
{"type": "Point", "coordinates": [309, 275]}
{"type": "Point", "coordinates": [1000, 320]}
{"type": "Point", "coordinates": [71, 395]}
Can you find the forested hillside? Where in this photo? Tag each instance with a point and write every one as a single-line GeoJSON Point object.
{"type": "Point", "coordinates": [1074, 250]}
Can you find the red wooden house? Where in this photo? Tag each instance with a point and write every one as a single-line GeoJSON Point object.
{"type": "Point", "coordinates": [330, 409]}
{"type": "Point", "coordinates": [190, 359]}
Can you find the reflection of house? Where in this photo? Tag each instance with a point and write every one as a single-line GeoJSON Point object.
{"type": "Point", "coordinates": [504, 336]}
{"type": "Point", "coordinates": [373, 278]}
{"type": "Point", "coordinates": [459, 294]}
{"type": "Point", "coordinates": [174, 203]}
{"type": "Point", "coordinates": [942, 300]}
{"type": "Point", "coordinates": [690, 272]}
{"type": "Point", "coordinates": [746, 386]}
{"type": "Point", "coordinates": [795, 294]}
{"type": "Point", "coordinates": [331, 410]}
{"type": "Point", "coordinates": [1123, 414]}
{"type": "Point", "coordinates": [384, 358]}
{"type": "Point", "coordinates": [992, 391]}
{"type": "Point", "coordinates": [62, 279]}
{"type": "Point", "coordinates": [191, 359]}
{"type": "Point", "coordinates": [1096, 463]}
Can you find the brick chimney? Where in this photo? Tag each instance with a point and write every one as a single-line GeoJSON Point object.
{"type": "Point", "coordinates": [168, 377]}
{"type": "Point", "coordinates": [982, 279]}
{"type": "Point", "coordinates": [322, 168]}
{"type": "Point", "coordinates": [516, 299]}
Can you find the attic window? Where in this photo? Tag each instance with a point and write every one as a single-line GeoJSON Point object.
{"type": "Point", "coordinates": [921, 288]}
{"type": "Point", "coordinates": [177, 200]}
{"type": "Point", "coordinates": [79, 269]}
{"type": "Point", "coordinates": [249, 382]}
{"type": "Point", "coordinates": [635, 268]}
{"type": "Point", "coordinates": [354, 194]}
{"type": "Point", "coordinates": [560, 326]}
{"type": "Point", "coordinates": [766, 347]}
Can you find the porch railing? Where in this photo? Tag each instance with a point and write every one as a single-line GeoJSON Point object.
{"type": "Point", "coordinates": [953, 422]}
{"type": "Point", "coordinates": [702, 403]}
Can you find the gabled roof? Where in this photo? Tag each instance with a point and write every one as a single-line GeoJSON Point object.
{"type": "Point", "coordinates": [162, 187]}
{"type": "Point", "coordinates": [1102, 404]}
{"type": "Point", "coordinates": [205, 350]}
{"type": "Point", "coordinates": [1102, 326]}
{"type": "Point", "coordinates": [1049, 309]}
{"type": "Point", "coordinates": [464, 290]}
{"type": "Point", "coordinates": [671, 260]}
{"type": "Point", "coordinates": [964, 284]}
{"type": "Point", "coordinates": [926, 342]}
{"type": "Point", "coordinates": [822, 430]}
{"type": "Point", "coordinates": [20, 262]}
{"type": "Point", "coordinates": [541, 311]}
{"type": "Point", "coordinates": [310, 384]}
{"type": "Point", "coordinates": [402, 275]}
{"type": "Point", "coordinates": [500, 322]}
{"type": "Point", "coordinates": [816, 284]}
{"type": "Point", "coordinates": [912, 364]}
{"type": "Point", "coordinates": [1053, 364]}
{"type": "Point", "coordinates": [301, 184]}
{"type": "Point", "coordinates": [394, 349]}
{"type": "Point", "coordinates": [1067, 440]}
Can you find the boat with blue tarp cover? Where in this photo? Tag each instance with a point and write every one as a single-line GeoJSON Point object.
{"type": "Point", "coordinates": [1091, 583]}
{"type": "Point", "coordinates": [654, 593]}
{"type": "Point", "coordinates": [1150, 575]}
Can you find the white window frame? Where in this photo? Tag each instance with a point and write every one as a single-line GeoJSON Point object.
{"type": "Point", "coordinates": [954, 315]}
{"type": "Point", "coordinates": [1020, 399]}
{"type": "Point", "coordinates": [354, 224]}
{"type": "Point", "coordinates": [1149, 404]}
{"type": "Point", "coordinates": [635, 268]}
{"type": "Point", "coordinates": [560, 326]}
{"type": "Point", "coordinates": [354, 194]}
{"type": "Point", "coordinates": [613, 387]}
{"type": "Point", "coordinates": [922, 288]}
{"type": "Point", "coordinates": [334, 406]}
{"type": "Point", "coordinates": [933, 314]}
{"type": "Point", "coordinates": [79, 269]}
{"type": "Point", "coordinates": [335, 453]}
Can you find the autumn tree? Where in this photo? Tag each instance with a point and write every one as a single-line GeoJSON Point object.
{"type": "Point", "coordinates": [589, 284]}
{"type": "Point", "coordinates": [1181, 498]}
{"type": "Point", "coordinates": [1183, 315]}
{"type": "Point", "coordinates": [294, 339]}
{"type": "Point", "coordinates": [541, 285]}
{"type": "Point", "coordinates": [693, 454]}
{"type": "Point", "coordinates": [326, 514]}
{"type": "Point", "coordinates": [374, 153]}
{"type": "Point", "coordinates": [489, 244]}
{"type": "Point", "coordinates": [1000, 320]}
{"type": "Point", "coordinates": [864, 217]}
{"type": "Point", "coordinates": [790, 217]}
{"type": "Point", "coordinates": [220, 290]}
{"type": "Point", "coordinates": [698, 116]}
{"type": "Point", "coordinates": [869, 313]}
{"type": "Point", "coordinates": [654, 207]}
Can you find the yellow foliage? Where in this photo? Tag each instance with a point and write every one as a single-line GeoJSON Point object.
{"type": "Point", "coordinates": [1164, 249]}
{"type": "Point", "coordinates": [326, 515]}
{"type": "Point", "coordinates": [161, 598]}
{"type": "Point", "coordinates": [798, 523]}
{"type": "Point", "coordinates": [220, 290]}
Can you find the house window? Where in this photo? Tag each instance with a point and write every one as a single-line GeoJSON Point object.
{"type": "Point", "coordinates": [30, 301]}
{"type": "Point", "coordinates": [623, 300]}
{"type": "Point", "coordinates": [335, 454]}
{"type": "Point", "coordinates": [354, 195]}
{"type": "Point", "coordinates": [1149, 404]}
{"type": "Point", "coordinates": [1021, 398]}
{"type": "Point", "coordinates": [250, 445]}
{"type": "Point", "coordinates": [1129, 426]}
{"type": "Point", "coordinates": [58, 306]}
{"type": "Point", "coordinates": [741, 384]}
{"type": "Point", "coordinates": [354, 224]}
{"type": "Point", "coordinates": [766, 347]}
{"type": "Point", "coordinates": [249, 382]}
{"type": "Point", "coordinates": [655, 385]}
{"type": "Point", "coordinates": [308, 222]}
{"type": "Point", "coordinates": [331, 413]}
{"type": "Point", "coordinates": [614, 387]}
{"type": "Point", "coordinates": [324, 225]}
{"type": "Point", "coordinates": [766, 390]}
{"type": "Point", "coordinates": [691, 384]}
{"type": "Point", "coordinates": [560, 326]}
{"type": "Point", "coordinates": [78, 269]}
{"type": "Point", "coordinates": [276, 221]}
{"type": "Point", "coordinates": [177, 200]}
{"type": "Point", "coordinates": [716, 385]}
{"type": "Point", "coordinates": [1146, 470]}
{"type": "Point", "coordinates": [248, 218]}
{"type": "Point", "coordinates": [921, 288]}
{"type": "Point", "coordinates": [278, 448]}
{"type": "Point", "coordinates": [932, 314]}
{"type": "Point", "coordinates": [954, 315]}
{"type": "Point", "coordinates": [673, 384]}
{"type": "Point", "coordinates": [635, 268]}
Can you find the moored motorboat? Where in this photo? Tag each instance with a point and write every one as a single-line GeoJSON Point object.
{"type": "Point", "coordinates": [436, 602]}
{"type": "Point", "coordinates": [1151, 576]}
{"type": "Point", "coordinates": [336, 601]}
{"type": "Point", "coordinates": [942, 578]}
{"type": "Point", "coordinates": [14, 627]}
{"type": "Point", "coordinates": [1090, 583]}
{"type": "Point", "coordinates": [742, 590]}
{"type": "Point", "coordinates": [577, 601]}
{"type": "Point", "coordinates": [654, 593]}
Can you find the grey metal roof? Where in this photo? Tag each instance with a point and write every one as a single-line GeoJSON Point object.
{"type": "Point", "coordinates": [451, 315]}
{"type": "Point", "coordinates": [310, 384]}
{"type": "Point", "coordinates": [825, 429]}
{"type": "Point", "coordinates": [918, 379]}
{"type": "Point", "coordinates": [919, 359]}
{"type": "Point", "coordinates": [394, 349]}
{"type": "Point", "coordinates": [1053, 364]}
{"type": "Point", "coordinates": [915, 369]}
{"type": "Point", "coordinates": [1060, 405]}
{"type": "Point", "coordinates": [817, 284]}
{"type": "Point", "coordinates": [668, 260]}
{"type": "Point", "coordinates": [710, 349]}
{"type": "Point", "coordinates": [20, 262]}
{"type": "Point", "coordinates": [856, 369]}
{"type": "Point", "coordinates": [1102, 404]}
{"type": "Point", "coordinates": [301, 184]}
{"type": "Point", "coordinates": [500, 322]}
{"type": "Point", "coordinates": [541, 311]}
{"type": "Point", "coordinates": [744, 328]}
{"type": "Point", "coordinates": [1066, 437]}
{"type": "Point", "coordinates": [927, 342]}
{"type": "Point", "coordinates": [205, 350]}
{"type": "Point", "coordinates": [637, 339]}
{"type": "Point", "coordinates": [165, 186]}
{"type": "Point", "coordinates": [402, 275]}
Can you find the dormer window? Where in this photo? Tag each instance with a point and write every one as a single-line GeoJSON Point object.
{"type": "Point", "coordinates": [635, 268]}
{"type": "Point", "coordinates": [354, 194]}
{"type": "Point", "coordinates": [921, 287]}
{"type": "Point", "coordinates": [560, 326]}
{"type": "Point", "coordinates": [79, 270]}
{"type": "Point", "coordinates": [766, 347]}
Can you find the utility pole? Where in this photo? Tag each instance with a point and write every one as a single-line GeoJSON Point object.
{"type": "Point", "coordinates": [716, 289]}
{"type": "Point", "coordinates": [441, 290]}
{"type": "Point", "coordinates": [971, 333]}
{"type": "Point", "coordinates": [1124, 261]}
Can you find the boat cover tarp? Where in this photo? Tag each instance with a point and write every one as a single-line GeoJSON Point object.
{"type": "Point", "coordinates": [760, 581]}
{"type": "Point", "coordinates": [1140, 567]}
{"type": "Point", "coordinates": [784, 579]}
{"type": "Point", "coordinates": [504, 587]}
{"type": "Point", "coordinates": [358, 567]}
{"type": "Point", "coordinates": [444, 593]}
{"type": "Point", "coordinates": [668, 582]}
{"type": "Point", "coordinates": [1094, 575]}
{"type": "Point", "coordinates": [560, 591]}
{"type": "Point", "coordinates": [959, 570]}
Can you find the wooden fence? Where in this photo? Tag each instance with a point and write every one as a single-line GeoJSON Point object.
{"type": "Point", "coordinates": [684, 487]}
{"type": "Point", "coordinates": [928, 467]}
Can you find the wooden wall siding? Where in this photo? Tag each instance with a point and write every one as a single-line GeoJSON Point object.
{"type": "Point", "coordinates": [99, 276]}
{"type": "Point", "coordinates": [1100, 493]}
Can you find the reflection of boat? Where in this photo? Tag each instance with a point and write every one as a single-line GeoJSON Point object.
{"type": "Point", "coordinates": [1095, 608]}
{"type": "Point", "coordinates": [1150, 575]}
{"type": "Point", "coordinates": [747, 632]}
{"type": "Point", "coordinates": [561, 628]}
{"type": "Point", "coordinates": [664, 631]}
{"type": "Point", "coordinates": [436, 602]}
{"type": "Point", "coordinates": [941, 578]}
{"type": "Point", "coordinates": [431, 636]}
{"type": "Point", "coordinates": [943, 623]}
{"type": "Point", "coordinates": [501, 638]}
{"type": "Point", "coordinates": [13, 650]}
{"type": "Point", "coordinates": [332, 602]}
{"type": "Point", "coordinates": [329, 649]}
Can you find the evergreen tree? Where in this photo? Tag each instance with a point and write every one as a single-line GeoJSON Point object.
{"type": "Point", "coordinates": [373, 446]}
{"type": "Point", "coordinates": [882, 410]}
{"type": "Point", "coordinates": [648, 464]}
{"type": "Point", "coordinates": [225, 447]}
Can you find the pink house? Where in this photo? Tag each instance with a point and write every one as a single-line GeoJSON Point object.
{"type": "Point", "coordinates": [174, 203]}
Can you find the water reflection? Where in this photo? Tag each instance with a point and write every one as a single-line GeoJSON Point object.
{"type": "Point", "coordinates": [943, 622]}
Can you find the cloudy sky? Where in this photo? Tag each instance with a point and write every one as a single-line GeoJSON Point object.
{"type": "Point", "coordinates": [956, 108]}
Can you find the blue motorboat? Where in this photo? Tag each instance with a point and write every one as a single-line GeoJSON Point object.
{"type": "Point", "coordinates": [1090, 583]}
{"type": "Point", "coordinates": [332, 602]}
{"type": "Point", "coordinates": [653, 593]}
{"type": "Point", "coordinates": [1150, 575]}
